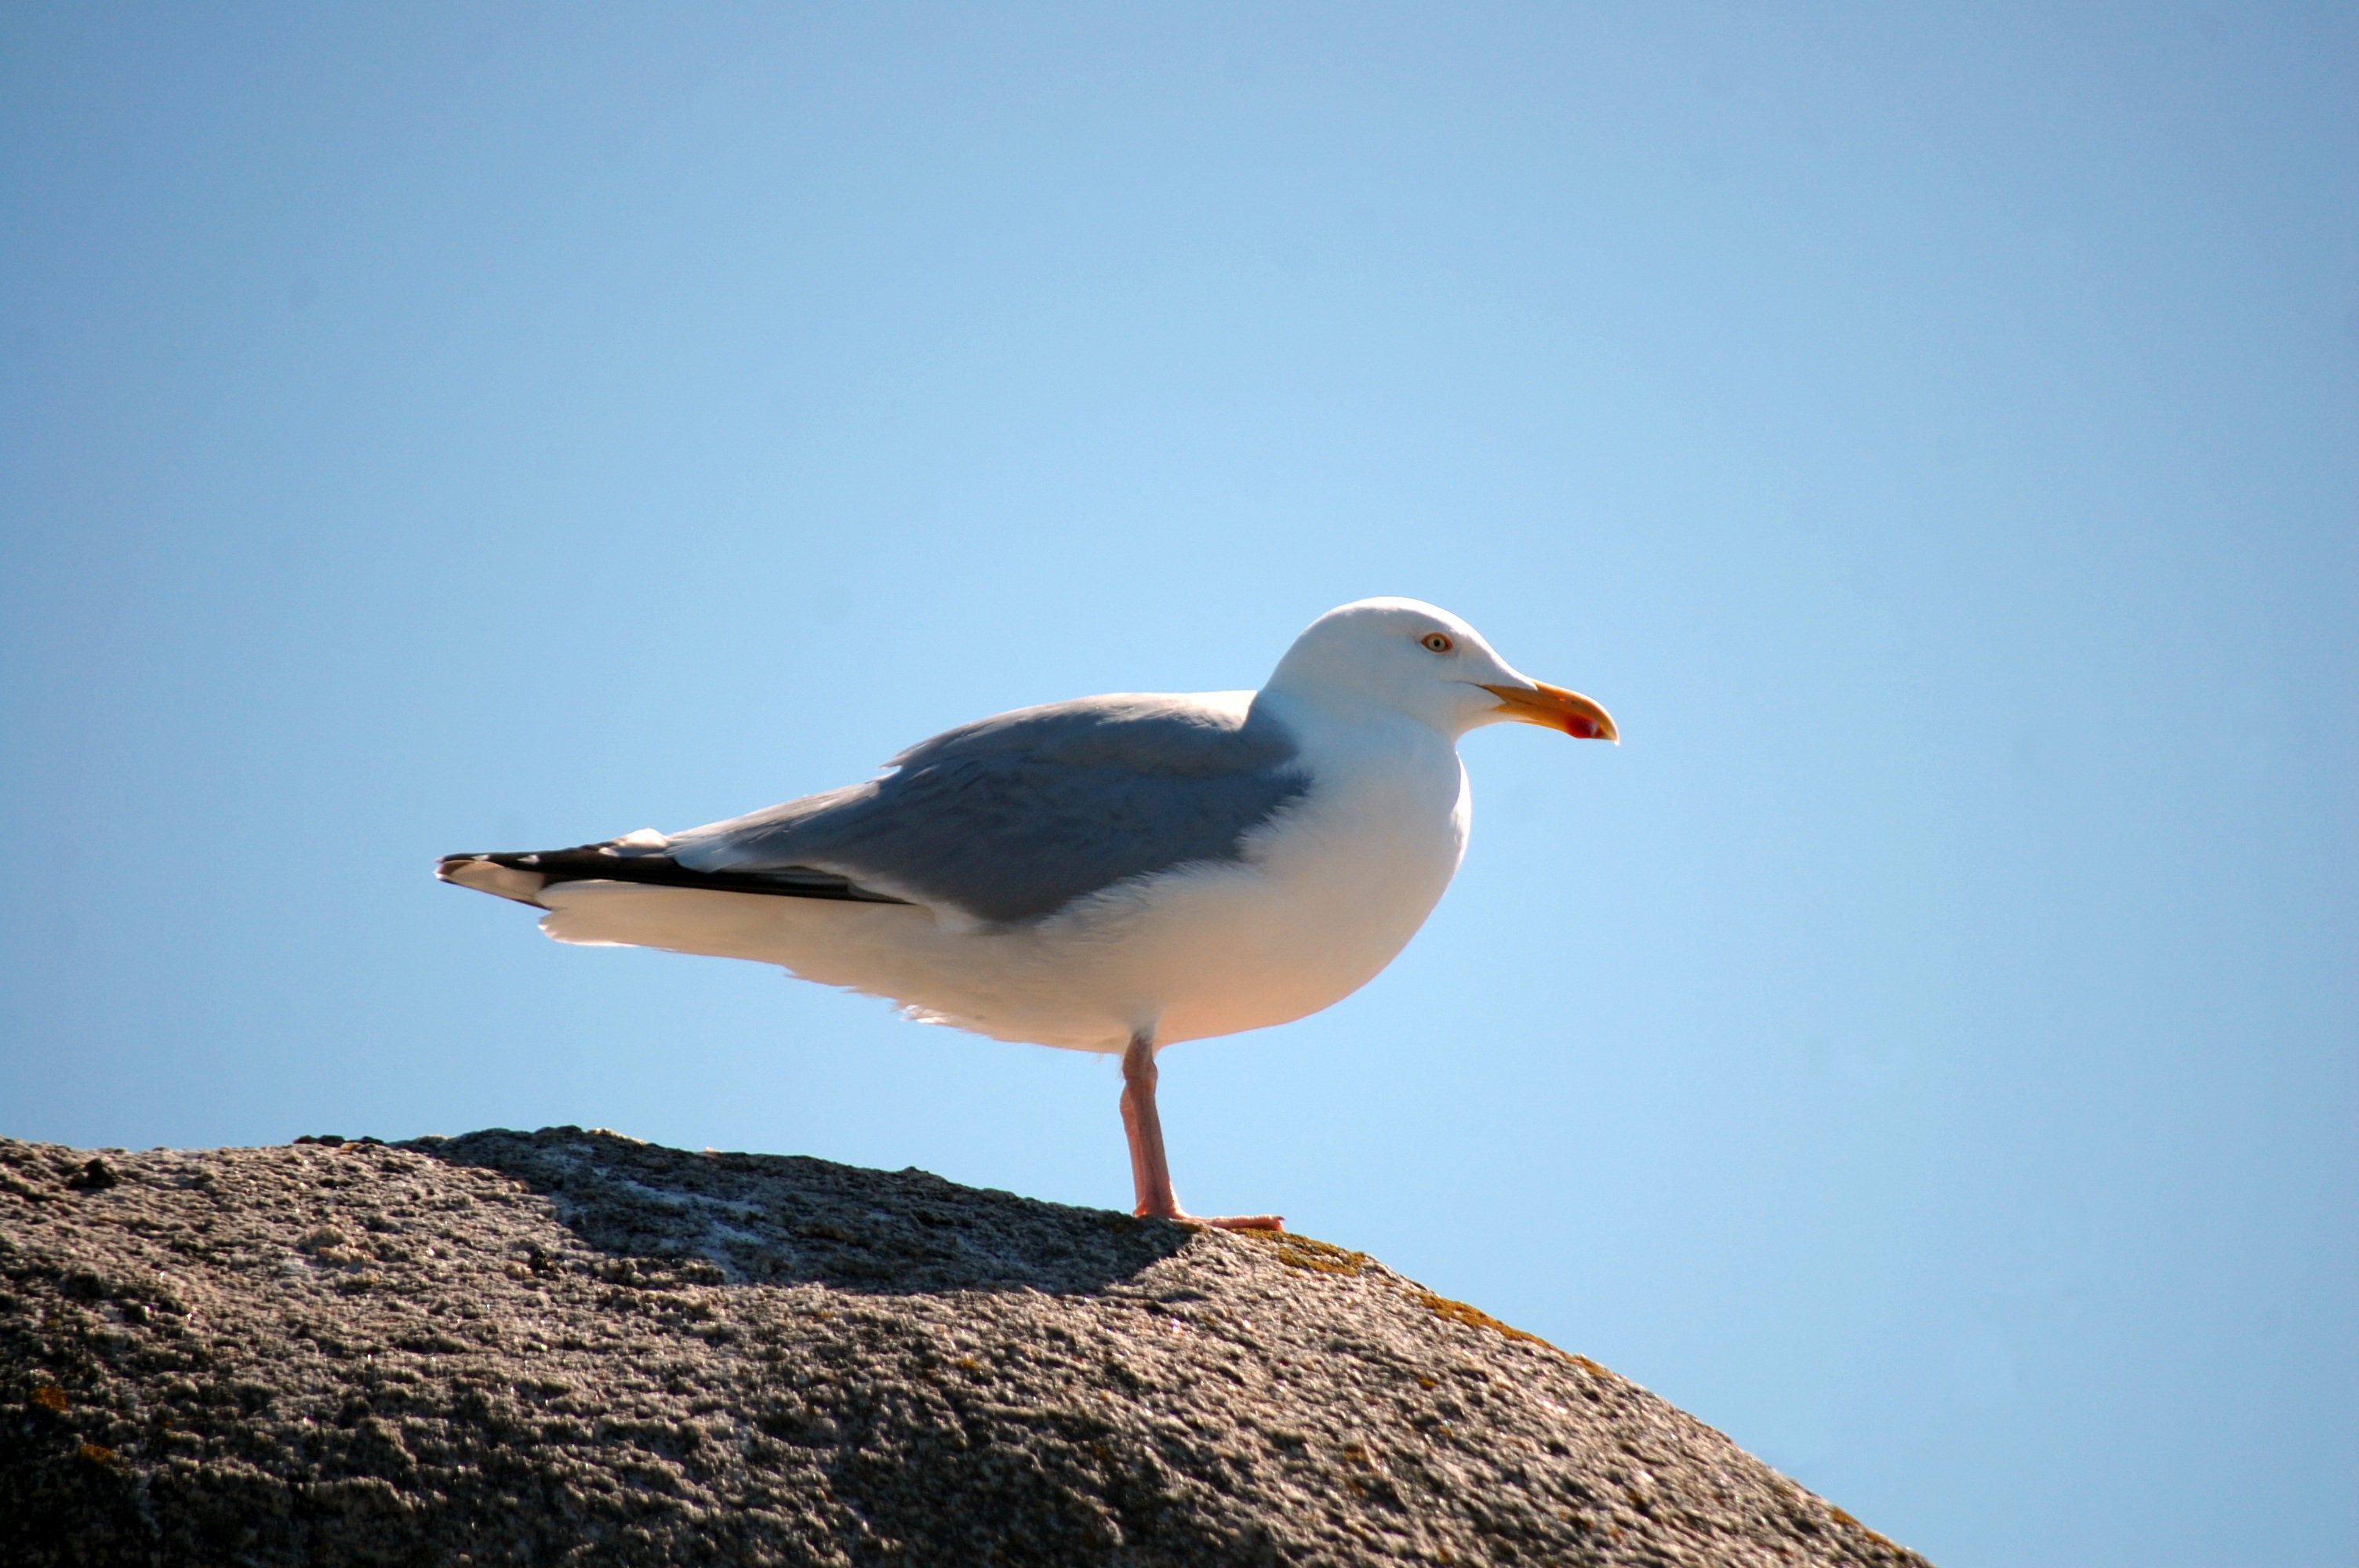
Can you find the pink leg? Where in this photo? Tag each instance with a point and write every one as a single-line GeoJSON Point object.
{"type": "Point", "coordinates": [1150, 1173]}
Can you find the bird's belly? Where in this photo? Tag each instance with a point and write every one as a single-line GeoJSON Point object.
{"type": "Point", "coordinates": [1227, 961]}
{"type": "Point", "coordinates": [1312, 917]}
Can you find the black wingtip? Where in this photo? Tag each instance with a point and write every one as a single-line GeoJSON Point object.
{"type": "Point", "coordinates": [604, 862]}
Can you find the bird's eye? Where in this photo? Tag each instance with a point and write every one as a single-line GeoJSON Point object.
{"type": "Point", "coordinates": [1436, 643]}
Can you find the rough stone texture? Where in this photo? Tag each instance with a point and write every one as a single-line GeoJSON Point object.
{"type": "Point", "coordinates": [569, 1347]}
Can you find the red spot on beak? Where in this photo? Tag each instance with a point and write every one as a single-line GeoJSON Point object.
{"type": "Point", "coordinates": [1553, 708]}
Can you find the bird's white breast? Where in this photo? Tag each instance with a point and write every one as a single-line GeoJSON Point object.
{"type": "Point", "coordinates": [1324, 897]}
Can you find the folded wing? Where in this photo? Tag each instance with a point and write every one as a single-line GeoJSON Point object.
{"type": "Point", "coordinates": [1008, 819]}
{"type": "Point", "coordinates": [1011, 818]}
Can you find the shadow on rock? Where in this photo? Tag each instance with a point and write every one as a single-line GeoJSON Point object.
{"type": "Point", "coordinates": [657, 1215]}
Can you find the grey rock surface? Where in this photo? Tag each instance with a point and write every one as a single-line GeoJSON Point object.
{"type": "Point", "coordinates": [570, 1346]}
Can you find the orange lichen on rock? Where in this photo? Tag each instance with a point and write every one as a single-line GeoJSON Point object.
{"type": "Point", "coordinates": [1475, 1317]}
{"type": "Point", "coordinates": [1881, 1540]}
{"type": "Point", "coordinates": [1302, 1252]}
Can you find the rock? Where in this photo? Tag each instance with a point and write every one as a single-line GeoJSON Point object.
{"type": "Point", "coordinates": [93, 1175]}
{"type": "Point", "coordinates": [570, 1346]}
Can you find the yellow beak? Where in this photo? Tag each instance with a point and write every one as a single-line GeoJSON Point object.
{"type": "Point", "coordinates": [1553, 708]}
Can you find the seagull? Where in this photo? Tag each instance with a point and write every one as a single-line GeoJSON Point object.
{"type": "Point", "coordinates": [1113, 874]}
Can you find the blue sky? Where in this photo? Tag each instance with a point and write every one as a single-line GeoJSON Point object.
{"type": "Point", "coordinates": [1924, 1050]}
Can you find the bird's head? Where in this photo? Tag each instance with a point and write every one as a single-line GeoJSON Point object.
{"type": "Point", "coordinates": [1413, 658]}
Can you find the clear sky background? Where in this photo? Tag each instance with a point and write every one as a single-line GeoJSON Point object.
{"type": "Point", "coordinates": [1924, 1050]}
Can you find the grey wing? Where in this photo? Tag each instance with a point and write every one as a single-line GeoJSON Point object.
{"type": "Point", "coordinates": [1014, 817]}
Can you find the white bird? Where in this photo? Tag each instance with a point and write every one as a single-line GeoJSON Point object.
{"type": "Point", "coordinates": [1113, 874]}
